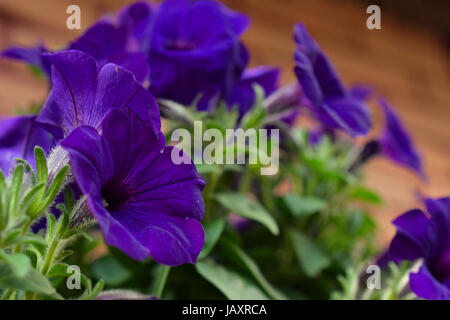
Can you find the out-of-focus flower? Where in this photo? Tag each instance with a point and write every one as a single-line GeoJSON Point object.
{"type": "Point", "coordinates": [111, 41]}
{"type": "Point", "coordinates": [333, 105]}
{"type": "Point", "coordinates": [396, 143]}
{"type": "Point", "coordinates": [143, 202]}
{"type": "Point", "coordinates": [18, 137]}
{"type": "Point", "coordinates": [428, 237]}
{"type": "Point", "coordinates": [31, 55]}
{"type": "Point", "coordinates": [82, 95]}
{"type": "Point", "coordinates": [135, 19]}
{"type": "Point", "coordinates": [194, 49]}
{"type": "Point", "coordinates": [243, 95]}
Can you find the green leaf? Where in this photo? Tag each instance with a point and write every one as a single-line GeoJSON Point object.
{"type": "Point", "coordinates": [28, 169]}
{"type": "Point", "coordinates": [31, 239]}
{"type": "Point", "coordinates": [37, 71]}
{"type": "Point", "coordinates": [233, 285]}
{"type": "Point", "coordinates": [204, 168]}
{"type": "Point", "coordinates": [110, 270]}
{"type": "Point", "coordinates": [310, 256]}
{"type": "Point", "coordinates": [95, 291]}
{"type": "Point", "coordinates": [16, 186]}
{"type": "Point", "coordinates": [55, 187]}
{"type": "Point", "coordinates": [237, 253]}
{"type": "Point", "coordinates": [10, 238]}
{"type": "Point", "coordinates": [32, 281]}
{"type": "Point", "coordinates": [303, 206]}
{"type": "Point", "coordinates": [2, 182]}
{"type": "Point", "coordinates": [41, 165]}
{"type": "Point", "coordinates": [162, 272]}
{"type": "Point", "coordinates": [248, 208]}
{"type": "Point", "coordinates": [366, 195]}
{"type": "Point", "coordinates": [19, 263]}
{"type": "Point", "coordinates": [175, 111]}
{"type": "Point", "coordinates": [69, 199]}
{"type": "Point", "coordinates": [255, 116]}
{"type": "Point", "coordinates": [213, 231]}
{"type": "Point", "coordinates": [51, 221]}
{"type": "Point", "coordinates": [60, 270]}
{"type": "Point", "coordinates": [31, 194]}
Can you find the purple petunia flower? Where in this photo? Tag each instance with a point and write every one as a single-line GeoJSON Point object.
{"type": "Point", "coordinates": [194, 49]}
{"type": "Point", "coordinates": [333, 105]}
{"type": "Point", "coordinates": [82, 95]}
{"type": "Point", "coordinates": [110, 41]}
{"type": "Point", "coordinates": [427, 237]}
{"type": "Point", "coordinates": [143, 202]}
{"type": "Point", "coordinates": [243, 94]}
{"type": "Point", "coordinates": [396, 143]}
{"type": "Point", "coordinates": [135, 19]}
{"type": "Point", "coordinates": [18, 137]}
{"type": "Point", "coordinates": [32, 56]}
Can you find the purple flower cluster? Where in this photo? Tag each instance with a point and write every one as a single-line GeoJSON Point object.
{"type": "Point", "coordinates": [425, 236]}
{"type": "Point", "coordinates": [110, 126]}
{"type": "Point", "coordinates": [102, 111]}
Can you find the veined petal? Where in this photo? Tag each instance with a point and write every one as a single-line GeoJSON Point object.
{"type": "Point", "coordinates": [145, 204]}
{"type": "Point", "coordinates": [74, 84]}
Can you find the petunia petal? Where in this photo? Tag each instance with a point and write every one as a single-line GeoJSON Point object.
{"type": "Point", "coordinates": [101, 40]}
{"type": "Point", "coordinates": [396, 142]}
{"type": "Point", "coordinates": [424, 285]}
{"type": "Point", "coordinates": [117, 88]}
{"type": "Point", "coordinates": [32, 55]}
{"type": "Point", "coordinates": [74, 84]}
{"type": "Point", "coordinates": [18, 137]}
{"type": "Point", "coordinates": [411, 240]}
{"type": "Point", "coordinates": [243, 93]}
{"type": "Point", "coordinates": [347, 113]}
{"type": "Point", "coordinates": [152, 205]}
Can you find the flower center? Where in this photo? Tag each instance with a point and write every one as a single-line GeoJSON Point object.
{"type": "Point", "coordinates": [441, 267]}
{"type": "Point", "coordinates": [180, 45]}
{"type": "Point", "coordinates": [114, 196]}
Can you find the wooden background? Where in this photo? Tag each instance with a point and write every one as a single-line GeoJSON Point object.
{"type": "Point", "coordinates": [405, 61]}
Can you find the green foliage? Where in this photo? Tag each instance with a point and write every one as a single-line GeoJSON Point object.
{"type": "Point", "coordinates": [312, 259]}
{"type": "Point", "coordinates": [233, 285]}
{"type": "Point", "coordinates": [30, 262]}
{"type": "Point", "coordinates": [248, 208]}
{"type": "Point", "coordinates": [300, 243]}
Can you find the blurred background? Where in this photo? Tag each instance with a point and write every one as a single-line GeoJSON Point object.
{"type": "Point", "coordinates": [407, 61]}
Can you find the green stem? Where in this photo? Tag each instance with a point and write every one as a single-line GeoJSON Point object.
{"type": "Point", "coordinates": [49, 257]}
{"type": "Point", "coordinates": [46, 266]}
{"type": "Point", "coordinates": [18, 247]}
{"type": "Point", "coordinates": [246, 181]}
{"type": "Point", "coordinates": [267, 197]}
{"type": "Point", "coordinates": [160, 280]}
{"type": "Point", "coordinates": [209, 190]}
